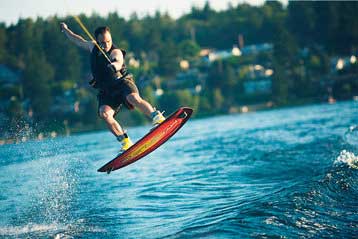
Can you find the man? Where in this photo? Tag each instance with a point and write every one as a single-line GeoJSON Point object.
{"type": "Point", "coordinates": [116, 86]}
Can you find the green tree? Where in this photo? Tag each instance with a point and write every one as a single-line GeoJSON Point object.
{"type": "Point", "coordinates": [2, 43]}
{"type": "Point", "coordinates": [284, 60]}
{"type": "Point", "coordinates": [301, 21]}
{"type": "Point", "coordinates": [217, 100]}
{"type": "Point", "coordinates": [215, 73]}
{"type": "Point", "coordinates": [188, 49]}
{"type": "Point", "coordinates": [173, 100]}
{"type": "Point", "coordinates": [66, 63]}
{"type": "Point", "coordinates": [37, 79]}
{"type": "Point", "coordinates": [168, 63]}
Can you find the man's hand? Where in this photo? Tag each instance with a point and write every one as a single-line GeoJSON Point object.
{"type": "Point", "coordinates": [63, 26]}
{"type": "Point", "coordinates": [77, 39]}
{"type": "Point", "coordinates": [112, 67]}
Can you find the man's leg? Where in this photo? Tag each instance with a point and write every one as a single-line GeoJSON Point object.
{"type": "Point", "coordinates": [107, 114]}
{"type": "Point", "coordinates": [137, 101]}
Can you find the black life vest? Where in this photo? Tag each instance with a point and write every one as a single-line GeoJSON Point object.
{"type": "Point", "coordinates": [103, 76]}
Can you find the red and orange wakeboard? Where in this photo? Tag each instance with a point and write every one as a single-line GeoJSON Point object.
{"type": "Point", "coordinates": [151, 141]}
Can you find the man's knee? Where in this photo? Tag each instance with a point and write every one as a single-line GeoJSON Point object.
{"type": "Point", "coordinates": [134, 99]}
{"type": "Point", "coordinates": [105, 114]}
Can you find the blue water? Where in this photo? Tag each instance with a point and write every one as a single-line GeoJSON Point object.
{"type": "Point", "coordinates": [284, 173]}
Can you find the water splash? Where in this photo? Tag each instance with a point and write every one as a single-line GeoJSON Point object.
{"type": "Point", "coordinates": [347, 158]}
{"type": "Point", "coordinates": [29, 228]}
{"type": "Point", "coordinates": [351, 135]}
{"type": "Point", "coordinates": [57, 230]}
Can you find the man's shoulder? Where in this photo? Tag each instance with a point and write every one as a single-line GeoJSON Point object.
{"type": "Point", "coordinates": [117, 52]}
{"type": "Point", "coordinates": [91, 46]}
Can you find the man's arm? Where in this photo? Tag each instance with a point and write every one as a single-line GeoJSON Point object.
{"type": "Point", "coordinates": [117, 60]}
{"type": "Point", "coordinates": [78, 40]}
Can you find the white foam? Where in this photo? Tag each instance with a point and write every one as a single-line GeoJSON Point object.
{"type": "Point", "coordinates": [62, 236]}
{"type": "Point", "coordinates": [30, 228]}
{"type": "Point", "coordinates": [348, 158]}
{"type": "Point", "coordinates": [46, 228]}
{"type": "Point", "coordinates": [351, 135]}
{"type": "Point", "coordinates": [273, 221]}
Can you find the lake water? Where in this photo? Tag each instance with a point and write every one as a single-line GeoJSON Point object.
{"type": "Point", "coordinates": [283, 173]}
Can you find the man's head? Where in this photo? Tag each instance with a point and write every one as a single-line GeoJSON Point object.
{"type": "Point", "coordinates": [103, 37]}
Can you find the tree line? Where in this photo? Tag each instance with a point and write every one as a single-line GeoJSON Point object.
{"type": "Point", "coordinates": [305, 36]}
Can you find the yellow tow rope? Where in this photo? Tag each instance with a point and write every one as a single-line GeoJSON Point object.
{"type": "Point", "coordinates": [78, 20]}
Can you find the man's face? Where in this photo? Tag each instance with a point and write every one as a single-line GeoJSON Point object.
{"type": "Point", "coordinates": [105, 41]}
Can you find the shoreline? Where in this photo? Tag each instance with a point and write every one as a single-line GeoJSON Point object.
{"type": "Point", "coordinates": [238, 109]}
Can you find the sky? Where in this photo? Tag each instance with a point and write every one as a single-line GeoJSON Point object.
{"type": "Point", "coordinates": [12, 10]}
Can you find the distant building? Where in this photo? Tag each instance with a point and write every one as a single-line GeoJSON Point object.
{"type": "Point", "coordinates": [258, 86]}
{"type": "Point", "coordinates": [184, 64]}
{"type": "Point", "coordinates": [339, 63]}
{"type": "Point", "coordinates": [257, 48]}
{"type": "Point", "coordinates": [134, 62]}
{"type": "Point", "coordinates": [192, 80]}
{"type": "Point", "coordinates": [209, 55]}
{"type": "Point", "coordinates": [258, 80]}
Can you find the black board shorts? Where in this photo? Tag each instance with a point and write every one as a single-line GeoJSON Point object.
{"type": "Point", "coordinates": [116, 97]}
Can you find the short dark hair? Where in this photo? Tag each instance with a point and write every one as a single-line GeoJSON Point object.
{"type": "Point", "coordinates": [101, 30]}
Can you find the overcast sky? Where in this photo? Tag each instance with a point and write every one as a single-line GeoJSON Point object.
{"type": "Point", "coordinates": [12, 10]}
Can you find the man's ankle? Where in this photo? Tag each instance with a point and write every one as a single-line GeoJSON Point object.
{"type": "Point", "coordinates": [122, 136]}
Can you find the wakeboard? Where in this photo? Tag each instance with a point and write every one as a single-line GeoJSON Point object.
{"type": "Point", "coordinates": [151, 141]}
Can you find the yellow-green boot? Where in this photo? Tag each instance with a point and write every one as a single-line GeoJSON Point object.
{"type": "Point", "coordinates": [157, 117]}
{"type": "Point", "coordinates": [125, 142]}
